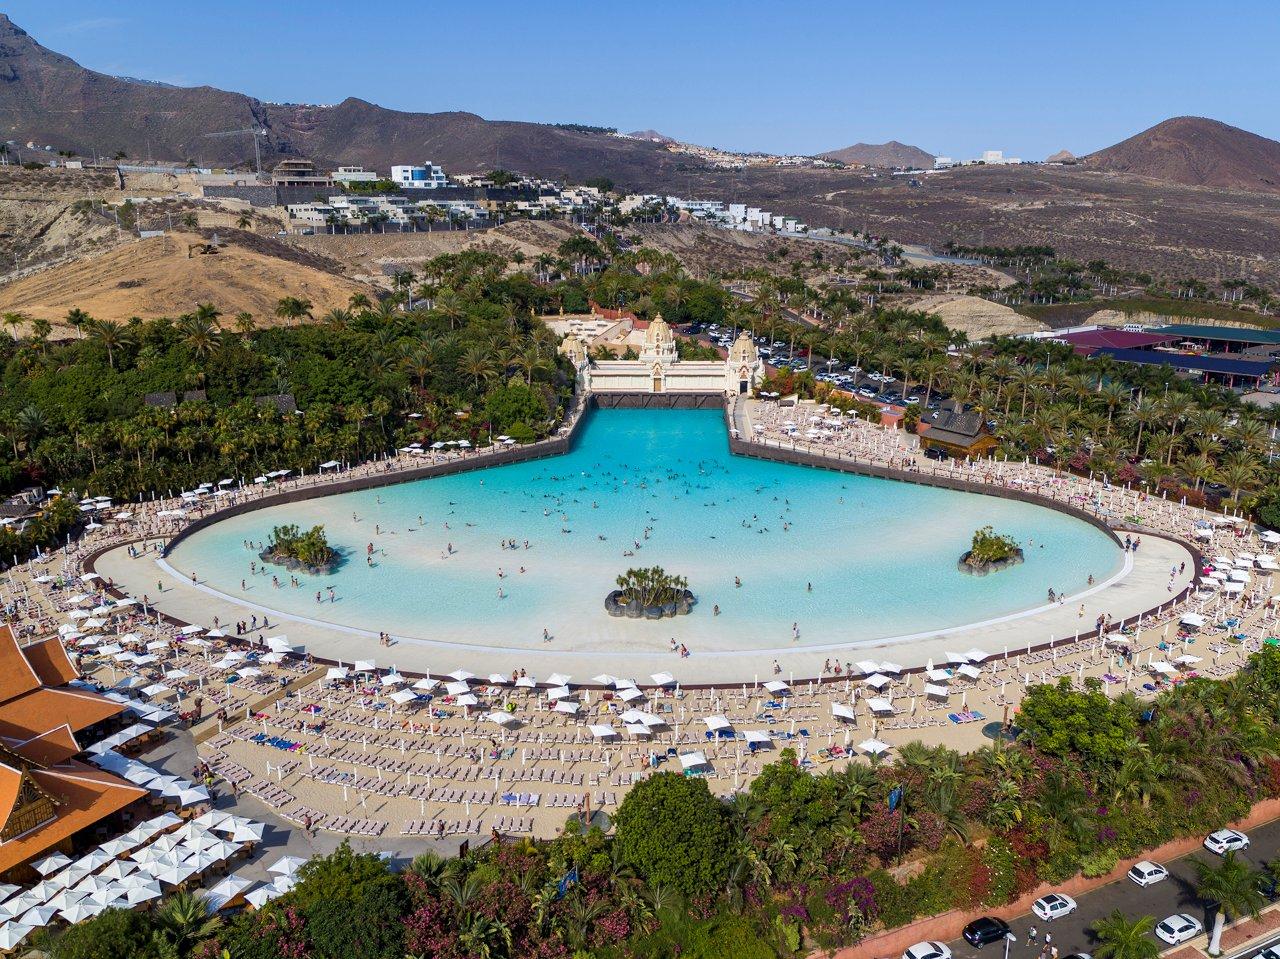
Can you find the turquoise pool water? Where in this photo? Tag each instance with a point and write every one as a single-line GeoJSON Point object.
{"type": "Point", "coordinates": [845, 559]}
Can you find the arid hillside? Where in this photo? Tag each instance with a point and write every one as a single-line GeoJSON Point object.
{"type": "Point", "coordinates": [159, 277]}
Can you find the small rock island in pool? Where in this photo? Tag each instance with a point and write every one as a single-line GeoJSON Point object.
{"type": "Point", "coordinates": [651, 593]}
{"type": "Point", "coordinates": [990, 552]}
{"type": "Point", "coordinates": [297, 551]}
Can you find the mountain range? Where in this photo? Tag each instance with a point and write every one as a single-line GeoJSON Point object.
{"type": "Point", "coordinates": [48, 98]}
{"type": "Point", "coordinates": [891, 154]}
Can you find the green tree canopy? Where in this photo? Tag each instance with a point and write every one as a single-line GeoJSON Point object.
{"type": "Point", "coordinates": [675, 833]}
{"type": "Point", "coordinates": [1062, 721]}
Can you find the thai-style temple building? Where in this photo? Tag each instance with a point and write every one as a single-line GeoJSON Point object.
{"type": "Point", "coordinates": [660, 370]}
{"type": "Point", "coordinates": [48, 796]}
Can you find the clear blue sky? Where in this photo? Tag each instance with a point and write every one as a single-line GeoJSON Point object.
{"type": "Point", "coordinates": [953, 77]}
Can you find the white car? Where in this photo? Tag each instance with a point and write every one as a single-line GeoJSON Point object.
{"type": "Point", "coordinates": [1226, 840]}
{"type": "Point", "coordinates": [1178, 929]}
{"type": "Point", "coordinates": [927, 950]}
{"type": "Point", "coordinates": [1054, 906]}
{"type": "Point", "coordinates": [1147, 873]}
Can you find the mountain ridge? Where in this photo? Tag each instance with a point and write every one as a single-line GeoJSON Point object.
{"type": "Point", "coordinates": [48, 97]}
{"type": "Point", "coordinates": [889, 154]}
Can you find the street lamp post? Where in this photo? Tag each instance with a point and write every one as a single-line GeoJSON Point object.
{"type": "Point", "coordinates": [1008, 939]}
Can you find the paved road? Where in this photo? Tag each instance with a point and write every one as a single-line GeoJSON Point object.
{"type": "Point", "coordinates": [1174, 895]}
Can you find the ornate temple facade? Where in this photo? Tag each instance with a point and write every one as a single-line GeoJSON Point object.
{"type": "Point", "coordinates": [660, 370]}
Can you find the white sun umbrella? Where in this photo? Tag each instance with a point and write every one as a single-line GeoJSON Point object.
{"type": "Point", "coordinates": [1192, 619]}
{"type": "Point", "coordinates": [154, 646]}
{"type": "Point", "coordinates": [880, 705]}
{"type": "Point", "coordinates": [38, 916]}
{"type": "Point", "coordinates": [192, 795]}
{"type": "Point", "coordinates": [89, 577]}
{"type": "Point", "coordinates": [403, 696]}
{"type": "Point", "coordinates": [176, 674]}
{"type": "Point", "coordinates": [637, 729]}
{"type": "Point", "coordinates": [603, 732]}
{"type": "Point", "coordinates": [467, 699]}
{"type": "Point", "coordinates": [80, 614]}
{"type": "Point", "coordinates": [891, 668]}
{"type": "Point", "coordinates": [272, 659]}
{"type": "Point", "coordinates": [1117, 639]}
{"type": "Point", "coordinates": [191, 629]}
{"type": "Point", "coordinates": [262, 895]}
{"type": "Point", "coordinates": [629, 694]}
{"type": "Point", "coordinates": [497, 679]}
{"type": "Point", "coordinates": [336, 672]}
{"type": "Point", "coordinates": [976, 655]}
{"type": "Point", "coordinates": [457, 688]}
{"type": "Point", "coordinates": [51, 864]}
{"type": "Point", "coordinates": [867, 666]}
{"type": "Point", "coordinates": [426, 685]}
{"type": "Point", "coordinates": [364, 666]}
{"type": "Point", "coordinates": [558, 679]}
{"type": "Point", "coordinates": [842, 711]}
{"type": "Point", "coordinates": [567, 706]}
{"type": "Point", "coordinates": [777, 686]}
{"type": "Point", "coordinates": [226, 891]}
{"type": "Point", "coordinates": [286, 865]}
{"type": "Point", "coordinates": [1161, 667]}
{"type": "Point", "coordinates": [758, 736]}
{"type": "Point", "coordinates": [1187, 660]}
{"type": "Point", "coordinates": [559, 692]}
{"type": "Point", "coordinates": [717, 723]}
{"type": "Point", "coordinates": [461, 675]}
{"type": "Point", "coordinates": [66, 899]}
{"type": "Point", "coordinates": [247, 831]}
{"type": "Point", "coordinates": [222, 850]}
{"type": "Point", "coordinates": [693, 760]}
{"type": "Point", "coordinates": [937, 675]}
{"type": "Point", "coordinates": [933, 689]}
{"type": "Point", "coordinates": [663, 679]}
{"type": "Point", "coordinates": [143, 892]}
{"type": "Point", "coordinates": [873, 746]}
{"type": "Point", "coordinates": [213, 818]}
{"type": "Point", "coordinates": [526, 682]}
{"type": "Point", "coordinates": [604, 679]}
{"type": "Point", "coordinates": [110, 650]}
{"type": "Point", "coordinates": [119, 869]}
{"type": "Point", "coordinates": [175, 875]}
{"type": "Point", "coordinates": [1233, 588]}
{"type": "Point", "coordinates": [12, 934]}
{"type": "Point", "coordinates": [956, 658]}
{"type": "Point", "coordinates": [877, 681]}
{"type": "Point", "coordinates": [8, 889]}
{"type": "Point", "coordinates": [972, 672]}
{"type": "Point", "coordinates": [499, 717]}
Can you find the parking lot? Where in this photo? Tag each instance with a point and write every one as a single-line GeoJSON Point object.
{"type": "Point", "coordinates": [1176, 894]}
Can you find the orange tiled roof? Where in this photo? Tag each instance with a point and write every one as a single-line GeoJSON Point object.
{"type": "Point", "coordinates": [16, 675]}
{"type": "Point", "coordinates": [42, 709]}
{"type": "Point", "coordinates": [86, 796]}
{"type": "Point", "coordinates": [55, 746]}
{"type": "Point", "coordinates": [50, 662]}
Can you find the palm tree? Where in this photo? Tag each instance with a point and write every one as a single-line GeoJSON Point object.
{"type": "Point", "coordinates": [1232, 887]}
{"type": "Point", "coordinates": [78, 318]}
{"type": "Point", "coordinates": [293, 308]}
{"type": "Point", "coordinates": [110, 334]}
{"type": "Point", "coordinates": [477, 363]}
{"type": "Point", "coordinates": [1120, 937]}
{"type": "Point", "coordinates": [244, 221]}
{"type": "Point", "coordinates": [199, 332]}
{"type": "Point", "coordinates": [185, 921]}
{"type": "Point", "coordinates": [13, 320]}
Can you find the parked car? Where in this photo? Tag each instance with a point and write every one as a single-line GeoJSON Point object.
{"type": "Point", "coordinates": [927, 950]}
{"type": "Point", "coordinates": [1146, 873]}
{"type": "Point", "coordinates": [1054, 906]}
{"type": "Point", "coordinates": [1269, 886]}
{"type": "Point", "coordinates": [1178, 929]}
{"type": "Point", "coordinates": [986, 930]}
{"type": "Point", "coordinates": [1226, 840]}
